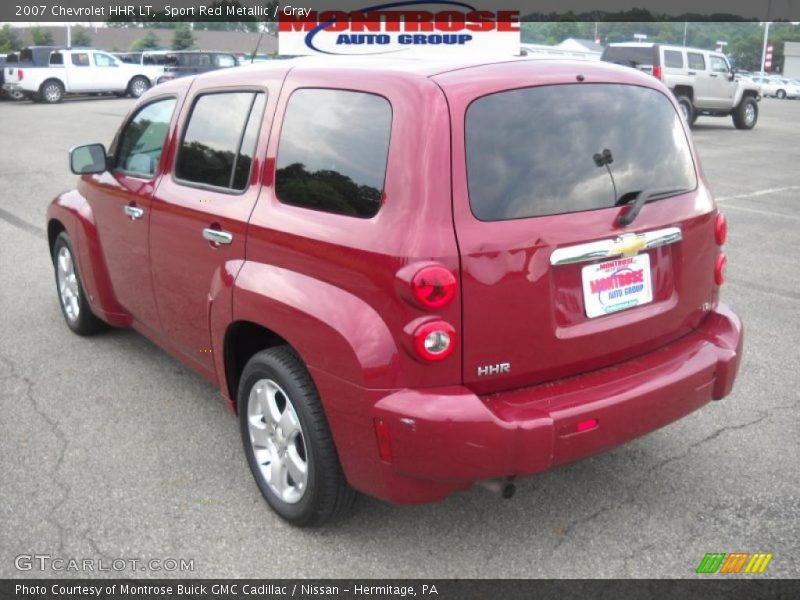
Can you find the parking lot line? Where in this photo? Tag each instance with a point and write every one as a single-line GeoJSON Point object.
{"type": "Point", "coordinates": [757, 193]}
{"type": "Point", "coordinates": [769, 213]}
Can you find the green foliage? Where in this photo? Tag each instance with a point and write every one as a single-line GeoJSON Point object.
{"type": "Point", "coordinates": [80, 37]}
{"type": "Point", "coordinates": [41, 37]}
{"type": "Point", "coordinates": [183, 38]}
{"type": "Point", "coordinates": [149, 41]}
{"type": "Point", "coordinates": [9, 41]}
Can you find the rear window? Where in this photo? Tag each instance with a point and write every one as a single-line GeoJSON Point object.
{"type": "Point", "coordinates": [535, 151]}
{"type": "Point", "coordinates": [630, 56]}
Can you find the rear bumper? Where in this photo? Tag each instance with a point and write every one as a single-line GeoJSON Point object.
{"type": "Point", "coordinates": [445, 439]}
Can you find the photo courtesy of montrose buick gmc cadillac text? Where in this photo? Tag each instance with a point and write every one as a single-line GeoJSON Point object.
{"type": "Point", "coordinates": [408, 276]}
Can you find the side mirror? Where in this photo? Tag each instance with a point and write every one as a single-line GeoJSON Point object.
{"type": "Point", "coordinates": [731, 76]}
{"type": "Point", "coordinates": [90, 158]}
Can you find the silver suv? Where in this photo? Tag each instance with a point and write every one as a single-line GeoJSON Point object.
{"type": "Point", "coordinates": [702, 80]}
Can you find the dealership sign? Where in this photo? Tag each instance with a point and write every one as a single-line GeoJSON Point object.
{"type": "Point", "coordinates": [400, 27]}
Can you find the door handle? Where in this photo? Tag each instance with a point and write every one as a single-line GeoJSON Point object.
{"type": "Point", "coordinates": [691, 73]}
{"type": "Point", "coordinates": [134, 212]}
{"type": "Point", "coordinates": [217, 236]}
{"type": "Point", "coordinates": [713, 75]}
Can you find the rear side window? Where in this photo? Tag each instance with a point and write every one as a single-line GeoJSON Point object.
{"type": "Point", "coordinates": [219, 140]}
{"type": "Point", "coordinates": [673, 59]}
{"type": "Point", "coordinates": [333, 150]}
{"type": "Point", "coordinates": [696, 61]}
{"type": "Point", "coordinates": [142, 141]}
{"type": "Point", "coordinates": [535, 151]}
{"type": "Point", "coordinates": [224, 60]}
{"type": "Point", "coordinates": [80, 60]}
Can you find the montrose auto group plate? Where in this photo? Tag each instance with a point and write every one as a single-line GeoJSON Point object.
{"type": "Point", "coordinates": [616, 285]}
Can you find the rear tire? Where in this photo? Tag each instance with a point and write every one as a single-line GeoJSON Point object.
{"type": "Point", "coordinates": [71, 295]}
{"type": "Point", "coordinates": [138, 86]}
{"type": "Point", "coordinates": [52, 91]}
{"type": "Point", "coordinates": [287, 441]}
{"type": "Point", "coordinates": [745, 115]}
{"type": "Point", "coordinates": [687, 109]}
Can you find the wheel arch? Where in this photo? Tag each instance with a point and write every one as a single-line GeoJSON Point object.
{"type": "Point", "coordinates": [684, 90]}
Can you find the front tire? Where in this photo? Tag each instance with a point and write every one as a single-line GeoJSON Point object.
{"type": "Point", "coordinates": [686, 109]}
{"type": "Point", "coordinates": [780, 94]}
{"type": "Point", "coordinates": [52, 91]}
{"type": "Point", "coordinates": [287, 440]}
{"type": "Point", "coordinates": [745, 115]}
{"type": "Point", "coordinates": [71, 295]}
{"type": "Point", "coordinates": [138, 86]}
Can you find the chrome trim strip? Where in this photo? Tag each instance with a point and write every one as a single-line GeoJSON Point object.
{"type": "Point", "coordinates": [604, 249]}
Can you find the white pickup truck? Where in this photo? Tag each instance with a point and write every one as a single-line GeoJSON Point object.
{"type": "Point", "coordinates": [77, 71]}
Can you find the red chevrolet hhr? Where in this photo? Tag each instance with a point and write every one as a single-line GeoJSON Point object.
{"type": "Point", "coordinates": [407, 276]}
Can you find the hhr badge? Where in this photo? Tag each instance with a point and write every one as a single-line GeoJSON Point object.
{"type": "Point", "coordinates": [494, 369]}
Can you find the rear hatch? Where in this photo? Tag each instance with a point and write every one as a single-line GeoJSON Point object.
{"type": "Point", "coordinates": [552, 284]}
{"type": "Point", "coordinates": [644, 58]}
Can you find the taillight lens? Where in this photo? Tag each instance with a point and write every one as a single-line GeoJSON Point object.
{"type": "Point", "coordinates": [719, 269]}
{"type": "Point", "coordinates": [657, 71]}
{"type": "Point", "coordinates": [433, 287]}
{"type": "Point", "coordinates": [720, 229]}
{"type": "Point", "coordinates": [20, 74]}
{"type": "Point", "coordinates": [435, 340]}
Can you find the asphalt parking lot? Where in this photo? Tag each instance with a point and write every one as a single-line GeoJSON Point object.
{"type": "Point", "coordinates": [110, 448]}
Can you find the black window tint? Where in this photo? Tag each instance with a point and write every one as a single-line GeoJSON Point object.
{"type": "Point", "coordinates": [696, 61]}
{"type": "Point", "coordinates": [333, 150]}
{"type": "Point", "coordinates": [58, 59]}
{"type": "Point", "coordinates": [216, 130]}
{"type": "Point", "coordinates": [80, 60]}
{"type": "Point", "coordinates": [142, 141]}
{"type": "Point", "coordinates": [531, 152]}
{"type": "Point", "coordinates": [673, 59]}
{"type": "Point", "coordinates": [630, 56]}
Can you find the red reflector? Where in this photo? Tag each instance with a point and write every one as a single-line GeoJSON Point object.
{"type": "Point", "coordinates": [384, 440]}
{"type": "Point", "coordinates": [720, 229]}
{"type": "Point", "coordinates": [586, 425]}
{"type": "Point", "coordinates": [657, 71]}
{"type": "Point", "coordinates": [719, 269]}
{"type": "Point", "coordinates": [20, 74]}
{"type": "Point", "coordinates": [434, 287]}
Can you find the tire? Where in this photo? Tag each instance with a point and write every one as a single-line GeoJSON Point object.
{"type": "Point", "coordinates": [687, 109]}
{"type": "Point", "coordinates": [745, 115]}
{"type": "Point", "coordinates": [52, 91]}
{"type": "Point", "coordinates": [71, 296]}
{"type": "Point", "coordinates": [15, 95]}
{"type": "Point", "coordinates": [138, 86]}
{"type": "Point", "coordinates": [284, 430]}
{"type": "Point", "coordinates": [780, 94]}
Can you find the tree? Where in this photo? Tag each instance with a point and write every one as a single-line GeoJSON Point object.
{"type": "Point", "coordinates": [8, 39]}
{"type": "Point", "coordinates": [81, 38]}
{"type": "Point", "coordinates": [149, 41]}
{"type": "Point", "coordinates": [41, 37]}
{"type": "Point", "coordinates": [183, 38]}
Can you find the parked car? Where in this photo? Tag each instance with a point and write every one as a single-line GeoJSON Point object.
{"type": "Point", "coordinates": [192, 62]}
{"type": "Point", "coordinates": [702, 80]}
{"type": "Point", "coordinates": [778, 87]}
{"type": "Point", "coordinates": [30, 56]}
{"type": "Point", "coordinates": [77, 71]}
{"type": "Point", "coordinates": [541, 283]}
{"type": "Point", "coordinates": [152, 62]}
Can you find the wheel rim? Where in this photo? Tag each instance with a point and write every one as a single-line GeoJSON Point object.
{"type": "Point", "coordinates": [749, 113]}
{"type": "Point", "coordinates": [277, 441]}
{"type": "Point", "coordinates": [138, 87]}
{"type": "Point", "coordinates": [52, 93]}
{"type": "Point", "coordinates": [68, 289]}
{"type": "Point", "coordinates": [685, 110]}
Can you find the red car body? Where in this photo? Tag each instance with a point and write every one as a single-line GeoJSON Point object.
{"type": "Point", "coordinates": [337, 288]}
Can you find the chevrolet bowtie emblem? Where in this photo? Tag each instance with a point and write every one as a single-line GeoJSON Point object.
{"type": "Point", "coordinates": [629, 245]}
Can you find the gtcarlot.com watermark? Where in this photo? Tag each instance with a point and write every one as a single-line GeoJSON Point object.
{"type": "Point", "coordinates": [46, 562]}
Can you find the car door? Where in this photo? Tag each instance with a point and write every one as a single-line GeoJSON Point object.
{"type": "Point", "coordinates": [110, 74]}
{"type": "Point", "coordinates": [200, 212]}
{"type": "Point", "coordinates": [121, 200]}
{"type": "Point", "coordinates": [721, 85]}
{"type": "Point", "coordinates": [702, 82]}
{"type": "Point", "coordinates": [79, 72]}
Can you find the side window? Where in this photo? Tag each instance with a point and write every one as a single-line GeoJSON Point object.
{"type": "Point", "coordinates": [104, 60]}
{"type": "Point", "coordinates": [56, 58]}
{"type": "Point", "coordinates": [204, 60]}
{"type": "Point", "coordinates": [224, 60]}
{"type": "Point", "coordinates": [80, 60]}
{"type": "Point", "coordinates": [142, 141]}
{"type": "Point", "coordinates": [220, 139]}
{"type": "Point", "coordinates": [673, 59]}
{"type": "Point", "coordinates": [333, 150]}
{"type": "Point", "coordinates": [696, 61]}
{"type": "Point", "coordinates": [719, 64]}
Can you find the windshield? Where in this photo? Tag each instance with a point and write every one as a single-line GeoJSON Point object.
{"type": "Point", "coordinates": [566, 148]}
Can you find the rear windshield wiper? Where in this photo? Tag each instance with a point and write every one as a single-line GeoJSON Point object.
{"type": "Point", "coordinates": [638, 198]}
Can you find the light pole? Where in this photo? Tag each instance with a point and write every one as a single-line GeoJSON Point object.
{"type": "Point", "coordinates": [685, 28]}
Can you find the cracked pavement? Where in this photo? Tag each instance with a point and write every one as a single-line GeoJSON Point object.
{"type": "Point", "coordinates": [109, 448]}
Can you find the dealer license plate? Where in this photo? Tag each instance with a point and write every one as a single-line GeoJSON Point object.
{"type": "Point", "coordinates": [616, 285]}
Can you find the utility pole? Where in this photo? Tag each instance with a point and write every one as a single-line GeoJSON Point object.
{"type": "Point", "coordinates": [69, 35]}
{"type": "Point", "coordinates": [764, 49]}
{"type": "Point", "coordinates": [685, 27]}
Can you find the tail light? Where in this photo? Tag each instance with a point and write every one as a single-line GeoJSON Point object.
{"type": "Point", "coordinates": [435, 340]}
{"type": "Point", "coordinates": [657, 71]}
{"type": "Point", "coordinates": [719, 269]}
{"type": "Point", "coordinates": [433, 287]}
{"type": "Point", "coordinates": [20, 74]}
{"type": "Point", "coordinates": [720, 229]}
{"type": "Point", "coordinates": [384, 440]}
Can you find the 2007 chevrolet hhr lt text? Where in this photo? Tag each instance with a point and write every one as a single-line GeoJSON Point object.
{"type": "Point", "coordinates": [407, 276]}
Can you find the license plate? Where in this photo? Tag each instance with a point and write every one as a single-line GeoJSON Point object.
{"type": "Point", "coordinates": [617, 284]}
